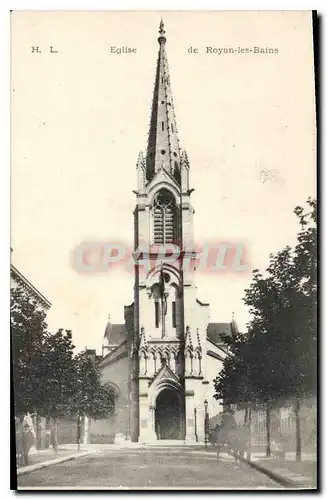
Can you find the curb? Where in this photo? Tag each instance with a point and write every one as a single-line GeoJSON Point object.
{"type": "Point", "coordinates": [284, 481]}
{"type": "Point", "coordinates": [42, 465]}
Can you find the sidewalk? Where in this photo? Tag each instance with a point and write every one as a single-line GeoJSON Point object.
{"type": "Point", "coordinates": [288, 472]}
{"type": "Point", "coordinates": [43, 458]}
{"type": "Point", "coordinates": [40, 456]}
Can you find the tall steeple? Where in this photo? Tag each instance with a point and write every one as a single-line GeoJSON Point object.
{"type": "Point", "coordinates": [163, 146]}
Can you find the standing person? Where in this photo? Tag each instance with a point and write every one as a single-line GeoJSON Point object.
{"type": "Point", "coordinates": [78, 436]}
{"type": "Point", "coordinates": [19, 441]}
{"type": "Point", "coordinates": [53, 439]}
{"type": "Point", "coordinates": [228, 429]}
{"type": "Point", "coordinates": [47, 438]}
{"type": "Point", "coordinates": [28, 441]}
{"type": "Point", "coordinates": [242, 436]}
{"type": "Point", "coordinates": [213, 435]}
{"type": "Point", "coordinates": [228, 420]}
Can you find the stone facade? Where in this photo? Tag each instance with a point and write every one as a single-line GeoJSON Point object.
{"type": "Point", "coordinates": [167, 354]}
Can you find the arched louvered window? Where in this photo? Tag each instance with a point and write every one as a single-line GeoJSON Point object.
{"type": "Point", "coordinates": [164, 218]}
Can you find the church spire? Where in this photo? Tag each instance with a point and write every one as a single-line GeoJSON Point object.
{"type": "Point", "coordinates": [163, 146]}
{"type": "Point", "coordinates": [108, 330]}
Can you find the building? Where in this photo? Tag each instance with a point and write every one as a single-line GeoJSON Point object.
{"type": "Point", "coordinates": [162, 361]}
{"type": "Point", "coordinates": [17, 279]}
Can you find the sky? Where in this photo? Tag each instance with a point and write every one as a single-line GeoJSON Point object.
{"type": "Point", "coordinates": [80, 115]}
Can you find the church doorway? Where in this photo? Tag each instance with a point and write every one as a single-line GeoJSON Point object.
{"type": "Point", "coordinates": [168, 415]}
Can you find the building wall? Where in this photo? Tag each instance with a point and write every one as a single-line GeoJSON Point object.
{"type": "Point", "coordinates": [283, 426]}
{"type": "Point", "coordinates": [212, 368]}
{"type": "Point", "coordinates": [116, 372]}
{"type": "Point", "coordinates": [67, 430]}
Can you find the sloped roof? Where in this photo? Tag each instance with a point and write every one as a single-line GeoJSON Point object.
{"type": "Point", "coordinates": [115, 333]}
{"type": "Point", "coordinates": [165, 373]}
{"type": "Point", "coordinates": [93, 355]}
{"type": "Point", "coordinates": [118, 352]}
{"type": "Point", "coordinates": [21, 280]}
{"type": "Point", "coordinates": [215, 330]}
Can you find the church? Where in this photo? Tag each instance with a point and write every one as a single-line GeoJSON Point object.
{"type": "Point", "coordinates": [162, 361]}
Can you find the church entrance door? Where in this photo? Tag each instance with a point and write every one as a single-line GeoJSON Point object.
{"type": "Point", "coordinates": [168, 415]}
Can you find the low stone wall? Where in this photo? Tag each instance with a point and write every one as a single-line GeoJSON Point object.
{"type": "Point", "coordinates": [282, 427]}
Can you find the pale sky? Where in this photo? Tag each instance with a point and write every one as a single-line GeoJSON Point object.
{"type": "Point", "coordinates": [81, 116]}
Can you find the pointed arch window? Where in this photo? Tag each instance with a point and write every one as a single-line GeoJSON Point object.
{"type": "Point", "coordinates": [164, 218]}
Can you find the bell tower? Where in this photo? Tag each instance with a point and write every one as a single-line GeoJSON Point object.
{"type": "Point", "coordinates": [166, 340]}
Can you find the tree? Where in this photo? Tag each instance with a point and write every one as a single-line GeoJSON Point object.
{"type": "Point", "coordinates": [234, 384]}
{"type": "Point", "coordinates": [49, 379]}
{"type": "Point", "coordinates": [276, 359]}
{"type": "Point", "coordinates": [305, 264]}
{"type": "Point", "coordinates": [90, 398]}
{"type": "Point", "coordinates": [57, 370]}
{"type": "Point", "coordinates": [28, 333]}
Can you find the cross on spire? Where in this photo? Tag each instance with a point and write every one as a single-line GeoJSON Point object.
{"type": "Point", "coordinates": [162, 38]}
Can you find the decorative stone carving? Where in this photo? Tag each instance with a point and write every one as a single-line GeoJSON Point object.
{"type": "Point", "coordinates": [197, 367]}
{"type": "Point", "coordinates": [143, 363]}
{"type": "Point", "coordinates": [140, 166]}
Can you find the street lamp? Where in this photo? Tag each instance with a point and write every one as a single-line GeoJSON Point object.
{"type": "Point", "coordinates": [205, 423]}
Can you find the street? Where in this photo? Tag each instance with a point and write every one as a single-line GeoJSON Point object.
{"type": "Point", "coordinates": [148, 468]}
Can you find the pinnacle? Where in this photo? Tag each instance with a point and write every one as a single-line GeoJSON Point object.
{"type": "Point", "coordinates": [162, 38]}
{"type": "Point", "coordinates": [198, 337]}
{"type": "Point", "coordinates": [188, 338]}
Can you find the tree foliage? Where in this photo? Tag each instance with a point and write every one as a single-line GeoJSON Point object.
{"type": "Point", "coordinates": [276, 358]}
{"type": "Point", "coordinates": [28, 334]}
{"type": "Point", "coordinates": [57, 372]}
{"type": "Point", "coordinates": [49, 379]}
{"type": "Point", "coordinates": [90, 397]}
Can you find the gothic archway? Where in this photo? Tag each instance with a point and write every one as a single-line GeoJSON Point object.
{"type": "Point", "coordinates": [168, 415]}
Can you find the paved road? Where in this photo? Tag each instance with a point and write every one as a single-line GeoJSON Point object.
{"type": "Point", "coordinates": [148, 468]}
